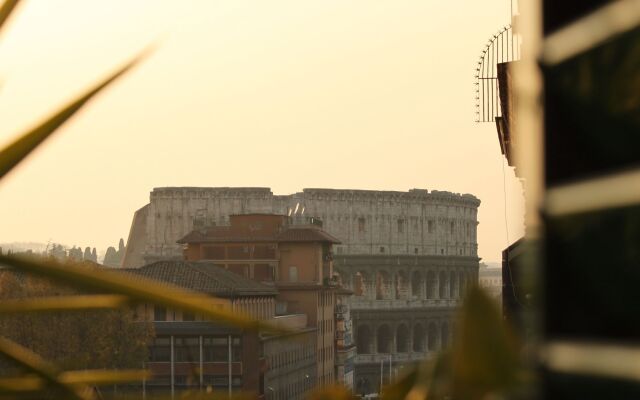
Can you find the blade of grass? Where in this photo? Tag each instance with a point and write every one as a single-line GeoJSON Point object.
{"type": "Point", "coordinates": [102, 377]}
{"type": "Point", "coordinates": [138, 289]}
{"type": "Point", "coordinates": [5, 11]}
{"type": "Point", "coordinates": [31, 383]}
{"type": "Point", "coordinates": [36, 364]}
{"type": "Point", "coordinates": [11, 155]}
{"type": "Point", "coordinates": [63, 303]}
{"type": "Point", "coordinates": [34, 383]}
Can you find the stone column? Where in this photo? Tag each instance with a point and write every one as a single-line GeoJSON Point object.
{"type": "Point", "coordinates": [374, 339]}
{"type": "Point", "coordinates": [394, 340]}
{"type": "Point", "coordinates": [410, 338]}
{"type": "Point", "coordinates": [425, 285]}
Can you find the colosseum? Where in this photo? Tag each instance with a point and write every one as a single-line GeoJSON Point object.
{"type": "Point", "coordinates": [407, 257]}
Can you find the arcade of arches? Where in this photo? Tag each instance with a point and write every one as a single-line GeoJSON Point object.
{"type": "Point", "coordinates": [430, 284]}
{"type": "Point", "coordinates": [401, 337]}
{"type": "Point", "coordinates": [402, 308]}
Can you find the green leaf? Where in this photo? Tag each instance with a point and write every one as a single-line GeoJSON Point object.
{"type": "Point", "coordinates": [11, 155]}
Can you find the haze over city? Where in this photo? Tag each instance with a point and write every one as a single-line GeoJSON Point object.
{"type": "Point", "coordinates": [286, 95]}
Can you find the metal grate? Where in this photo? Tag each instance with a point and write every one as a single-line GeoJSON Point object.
{"type": "Point", "coordinates": [502, 47]}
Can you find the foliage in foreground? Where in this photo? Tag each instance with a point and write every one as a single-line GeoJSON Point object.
{"type": "Point", "coordinates": [482, 363]}
{"type": "Point", "coordinates": [98, 339]}
{"type": "Point", "coordinates": [42, 376]}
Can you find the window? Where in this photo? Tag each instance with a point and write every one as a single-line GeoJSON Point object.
{"type": "Point", "coordinates": [159, 313]}
{"type": "Point", "coordinates": [415, 250]}
{"type": "Point", "coordinates": [452, 226]}
{"type": "Point", "coordinates": [400, 226]}
{"type": "Point", "coordinates": [293, 274]}
{"type": "Point", "coordinates": [161, 349]}
{"type": "Point", "coordinates": [361, 222]}
{"type": "Point", "coordinates": [430, 226]}
{"type": "Point", "coordinates": [381, 249]}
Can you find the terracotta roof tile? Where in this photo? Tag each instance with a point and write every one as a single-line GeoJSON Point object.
{"type": "Point", "coordinates": [203, 277]}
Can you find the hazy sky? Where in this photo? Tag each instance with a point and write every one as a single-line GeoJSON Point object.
{"type": "Point", "coordinates": [282, 94]}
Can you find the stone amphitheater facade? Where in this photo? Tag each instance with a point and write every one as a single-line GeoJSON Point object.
{"type": "Point", "coordinates": [407, 256]}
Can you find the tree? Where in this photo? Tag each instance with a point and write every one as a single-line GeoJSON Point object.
{"type": "Point", "coordinates": [93, 339]}
{"type": "Point", "coordinates": [87, 254]}
{"type": "Point", "coordinates": [111, 257]}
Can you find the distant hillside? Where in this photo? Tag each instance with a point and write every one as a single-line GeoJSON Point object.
{"type": "Point", "coordinates": [36, 247]}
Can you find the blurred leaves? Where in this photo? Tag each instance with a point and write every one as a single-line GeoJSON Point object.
{"type": "Point", "coordinates": [482, 362]}
{"type": "Point", "coordinates": [6, 9]}
{"type": "Point", "coordinates": [15, 152]}
{"type": "Point", "coordinates": [485, 357]}
{"type": "Point", "coordinates": [333, 392]}
{"type": "Point", "coordinates": [75, 339]}
{"type": "Point", "coordinates": [32, 362]}
{"type": "Point", "coordinates": [33, 383]}
{"type": "Point", "coordinates": [135, 288]}
{"type": "Point", "coordinates": [62, 303]}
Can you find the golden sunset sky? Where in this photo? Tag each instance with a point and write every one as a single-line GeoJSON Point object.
{"type": "Point", "coordinates": [281, 94]}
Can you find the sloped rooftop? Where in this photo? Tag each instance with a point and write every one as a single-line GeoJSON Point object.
{"type": "Point", "coordinates": [202, 277]}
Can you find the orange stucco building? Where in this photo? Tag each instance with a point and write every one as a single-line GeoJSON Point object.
{"type": "Point", "coordinates": [293, 255]}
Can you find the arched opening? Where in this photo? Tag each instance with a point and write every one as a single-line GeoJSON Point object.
{"type": "Point", "coordinates": [432, 285]}
{"type": "Point", "coordinates": [444, 335]}
{"type": "Point", "coordinates": [402, 339]}
{"type": "Point", "coordinates": [363, 341]}
{"type": "Point", "coordinates": [360, 283]}
{"type": "Point", "coordinates": [416, 285]}
{"type": "Point", "coordinates": [418, 338]}
{"type": "Point", "coordinates": [402, 283]}
{"type": "Point", "coordinates": [384, 339]}
{"type": "Point", "coordinates": [432, 337]}
{"type": "Point", "coordinates": [443, 285]}
{"type": "Point", "coordinates": [363, 386]}
{"type": "Point", "coordinates": [383, 285]}
{"type": "Point", "coordinates": [453, 287]}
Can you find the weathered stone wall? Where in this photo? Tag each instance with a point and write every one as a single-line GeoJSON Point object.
{"type": "Point", "coordinates": [417, 222]}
